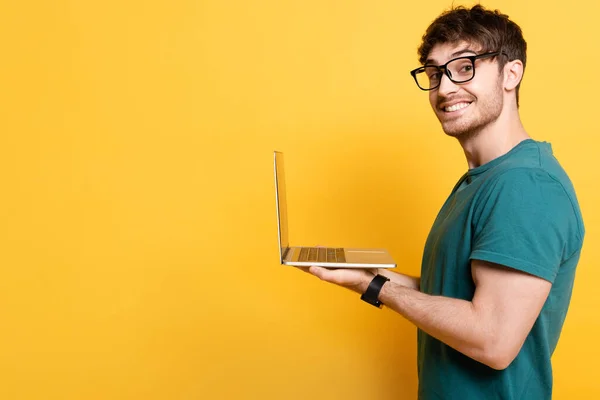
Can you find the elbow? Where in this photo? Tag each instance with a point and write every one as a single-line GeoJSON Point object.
{"type": "Point", "coordinates": [498, 363]}
{"type": "Point", "coordinates": [499, 357]}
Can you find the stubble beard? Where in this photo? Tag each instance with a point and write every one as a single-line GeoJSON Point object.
{"type": "Point", "coordinates": [468, 126]}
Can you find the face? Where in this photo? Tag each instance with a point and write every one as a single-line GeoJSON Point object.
{"type": "Point", "coordinates": [466, 108]}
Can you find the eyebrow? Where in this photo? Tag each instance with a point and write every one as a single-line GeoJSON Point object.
{"type": "Point", "coordinates": [455, 54]}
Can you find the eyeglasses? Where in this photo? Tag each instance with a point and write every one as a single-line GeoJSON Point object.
{"type": "Point", "coordinates": [458, 70]}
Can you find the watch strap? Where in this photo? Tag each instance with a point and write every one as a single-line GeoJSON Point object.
{"type": "Point", "coordinates": [372, 293]}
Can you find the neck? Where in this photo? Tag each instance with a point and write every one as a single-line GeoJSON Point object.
{"type": "Point", "coordinates": [493, 140]}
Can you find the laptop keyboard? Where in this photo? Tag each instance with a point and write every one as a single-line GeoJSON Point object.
{"type": "Point", "coordinates": [322, 254]}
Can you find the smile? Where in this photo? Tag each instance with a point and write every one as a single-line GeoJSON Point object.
{"type": "Point", "coordinates": [456, 107]}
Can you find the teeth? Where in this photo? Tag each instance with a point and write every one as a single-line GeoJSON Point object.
{"type": "Point", "coordinates": [456, 107]}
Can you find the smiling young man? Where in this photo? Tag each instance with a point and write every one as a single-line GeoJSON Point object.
{"type": "Point", "coordinates": [499, 263]}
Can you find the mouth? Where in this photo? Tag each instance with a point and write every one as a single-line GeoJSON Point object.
{"type": "Point", "coordinates": [456, 107]}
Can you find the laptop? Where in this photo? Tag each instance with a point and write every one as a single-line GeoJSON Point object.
{"type": "Point", "coordinates": [333, 257]}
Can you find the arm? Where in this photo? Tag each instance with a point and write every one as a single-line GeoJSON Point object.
{"type": "Point", "coordinates": [400, 279]}
{"type": "Point", "coordinates": [525, 220]}
{"type": "Point", "coordinates": [490, 329]}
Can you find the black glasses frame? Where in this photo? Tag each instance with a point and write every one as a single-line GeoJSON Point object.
{"type": "Point", "coordinates": [443, 68]}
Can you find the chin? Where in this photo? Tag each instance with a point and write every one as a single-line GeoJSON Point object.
{"type": "Point", "coordinates": [465, 126]}
{"type": "Point", "coordinates": [454, 129]}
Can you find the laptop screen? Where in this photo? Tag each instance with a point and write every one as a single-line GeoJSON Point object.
{"type": "Point", "coordinates": [281, 203]}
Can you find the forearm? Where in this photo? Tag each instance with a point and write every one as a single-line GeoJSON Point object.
{"type": "Point", "coordinates": [455, 322]}
{"type": "Point", "coordinates": [401, 279]}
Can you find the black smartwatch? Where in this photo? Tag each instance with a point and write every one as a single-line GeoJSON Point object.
{"type": "Point", "coordinates": [372, 293]}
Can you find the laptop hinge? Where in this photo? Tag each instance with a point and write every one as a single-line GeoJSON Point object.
{"type": "Point", "coordinates": [285, 252]}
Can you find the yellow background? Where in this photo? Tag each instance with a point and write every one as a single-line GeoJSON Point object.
{"type": "Point", "coordinates": [138, 249]}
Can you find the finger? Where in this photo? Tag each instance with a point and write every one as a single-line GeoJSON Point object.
{"type": "Point", "coordinates": [320, 272]}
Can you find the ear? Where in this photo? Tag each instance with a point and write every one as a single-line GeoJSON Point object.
{"type": "Point", "coordinates": [513, 73]}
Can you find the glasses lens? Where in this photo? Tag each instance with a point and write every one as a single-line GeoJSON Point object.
{"type": "Point", "coordinates": [428, 77]}
{"type": "Point", "coordinates": [461, 70]}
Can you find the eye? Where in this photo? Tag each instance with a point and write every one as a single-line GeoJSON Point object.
{"type": "Point", "coordinates": [434, 74]}
{"type": "Point", "coordinates": [466, 68]}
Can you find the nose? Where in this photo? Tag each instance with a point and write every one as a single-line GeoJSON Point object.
{"type": "Point", "coordinates": [446, 86]}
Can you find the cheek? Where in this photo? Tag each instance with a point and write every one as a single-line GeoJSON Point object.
{"type": "Point", "coordinates": [433, 98]}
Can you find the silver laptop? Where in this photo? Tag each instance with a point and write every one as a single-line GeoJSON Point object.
{"type": "Point", "coordinates": [336, 257]}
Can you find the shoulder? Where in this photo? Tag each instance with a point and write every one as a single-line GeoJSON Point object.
{"type": "Point", "coordinates": [530, 185]}
{"type": "Point", "coordinates": [532, 196]}
{"type": "Point", "coordinates": [523, 176]}
{"type": "Point", "coordinates": [533, 164]}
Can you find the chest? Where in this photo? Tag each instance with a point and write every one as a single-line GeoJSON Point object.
{"type": "Point", "coordinates": [446, 263]}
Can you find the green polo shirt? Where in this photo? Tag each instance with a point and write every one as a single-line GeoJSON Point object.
{"type": "Point", "coordinates": [518, 210]}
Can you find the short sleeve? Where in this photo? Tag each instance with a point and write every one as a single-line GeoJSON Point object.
{"type": "Point", "coordinates": [525, 220]}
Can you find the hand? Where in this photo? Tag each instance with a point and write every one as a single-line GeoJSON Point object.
{"type": "Point", "coordinates": [351, 278]}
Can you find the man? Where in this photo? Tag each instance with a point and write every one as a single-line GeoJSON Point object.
{"type": "Point", "coordinates": [499, 263]}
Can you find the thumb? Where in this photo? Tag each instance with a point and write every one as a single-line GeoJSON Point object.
{"type": "Point", "coordinates": [319, 272]}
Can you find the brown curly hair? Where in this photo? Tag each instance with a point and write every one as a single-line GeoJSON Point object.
{"type": "Point", "coordinates": [491, 30]}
